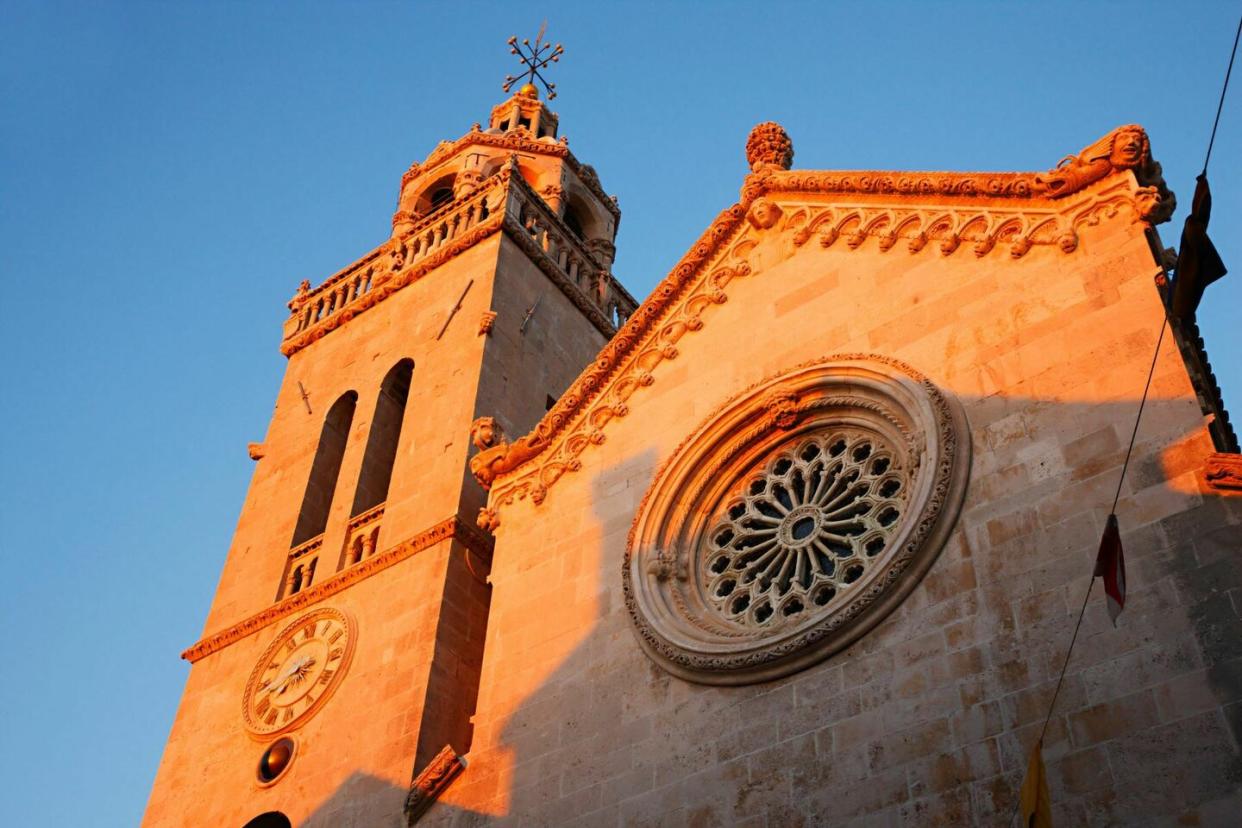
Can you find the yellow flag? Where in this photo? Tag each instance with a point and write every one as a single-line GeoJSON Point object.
{"type": "Point", "coordinates": [1034, 799]}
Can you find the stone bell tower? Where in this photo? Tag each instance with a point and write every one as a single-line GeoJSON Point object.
{"type": "Point", "coordinates": [338, 670]}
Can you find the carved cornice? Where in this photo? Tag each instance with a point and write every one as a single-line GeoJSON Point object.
{"type": "Point", "coordinates": [431, 782]}
{"type": "Point", "coordinates": [1223, 472]}
{"type": "Point", "coordinates": [474, 539]}
{"type": "Point", "coordinates": [951, 208]}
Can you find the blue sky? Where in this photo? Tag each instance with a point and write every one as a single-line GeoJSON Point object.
{"type": "Point", "coordinates": [170, 171]}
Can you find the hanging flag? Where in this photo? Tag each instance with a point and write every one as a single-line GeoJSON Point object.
{"type": "Point", "coordinates": [1198, 263]}
{"type": "Point", "coordinates": [1110, 564]}
{"type": "Point", "coordinates": [1034, 800]}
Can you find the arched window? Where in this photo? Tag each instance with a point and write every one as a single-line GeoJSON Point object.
{"type": "Point", "coordinates": [272, 819]}
{"type": "Point", "coordinates": [382, 443]}
{"type": "Point", "coordinates": [573, 222]}
{"type": "Point", "coordinates": [441, 197]}
{"type": "Point", "coordinates": [313, 518]}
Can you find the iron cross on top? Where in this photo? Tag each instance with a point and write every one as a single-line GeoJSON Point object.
{"type": "Point", "coordinates": [534, 58]}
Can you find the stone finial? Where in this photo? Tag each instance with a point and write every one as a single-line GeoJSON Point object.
{"type": "Point", "coordinates": [769, 148]}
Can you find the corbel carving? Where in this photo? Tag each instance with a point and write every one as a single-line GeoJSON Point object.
{"type": "Point", "coordinates": [487, 322]}
{"type": "Point", "coordinates": [431, 782]}
{"type": "Point", "coordinates": [1223, 472]}
{"type": "Point", "coordinates": [763, 214]}
{"type": "Point", "coordinates": [1125, 148]}
{"type": "Point", "coordinates": [496, 455]}
{"type": "Point", "coordinates": [257, 451]}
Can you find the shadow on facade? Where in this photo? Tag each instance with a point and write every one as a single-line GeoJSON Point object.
{"type": "Point", "coordinates": [892, 731]}
{"type": "Point", "coordinates": [363, 800]}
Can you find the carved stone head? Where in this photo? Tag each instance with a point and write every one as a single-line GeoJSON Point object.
{"type": "Point", "coordinates": [763, 214]}
{"type": "Point", "coordinates": [1130, 147]}
{"type": "Point", "coordinates": [485, 433]}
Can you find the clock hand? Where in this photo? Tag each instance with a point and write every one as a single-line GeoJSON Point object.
{"type": "Point", "coordinates": [283, 679]}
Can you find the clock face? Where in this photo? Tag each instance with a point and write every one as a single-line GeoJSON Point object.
{"type": "Point", "coordinates": [298, 671]}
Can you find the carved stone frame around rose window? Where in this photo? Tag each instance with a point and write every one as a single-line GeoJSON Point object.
{"type": "Point", "coordinates": [664, 593]}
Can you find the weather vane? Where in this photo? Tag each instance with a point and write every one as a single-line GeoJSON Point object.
{"type": "Point", "coordinates": [534, 58]}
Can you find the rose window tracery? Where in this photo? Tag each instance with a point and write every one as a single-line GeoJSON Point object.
{"type": "Point", "coordinates": [794, 519]}
{"type": "Point", "coordinates": [804, 528]}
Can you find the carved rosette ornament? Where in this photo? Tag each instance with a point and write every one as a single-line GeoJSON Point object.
{"type": "Point", "coordinates": [768, 147]}
{"type": "Point", "coordinates": [795, 519]}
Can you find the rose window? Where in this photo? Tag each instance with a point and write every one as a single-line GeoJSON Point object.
{"type": "Point", "coordinates": [804, 528]}
{"type": "Point", "coordinates": [794, 519]}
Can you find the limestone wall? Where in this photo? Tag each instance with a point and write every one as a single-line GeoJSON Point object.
{"type": "Point", "coordinates": [928, 718]}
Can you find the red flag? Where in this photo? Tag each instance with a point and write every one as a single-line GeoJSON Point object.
{"type": "Point", "coordinates": [1110, 564]}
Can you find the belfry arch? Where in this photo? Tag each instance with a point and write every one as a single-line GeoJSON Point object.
{"type": "Point", "coordinates": [317, 500]}
{"type": "Point", "coordinates": [385, 435]}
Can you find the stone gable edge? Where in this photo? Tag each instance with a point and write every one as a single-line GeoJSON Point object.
{"type": "Point", "coordinates": [928, 201]}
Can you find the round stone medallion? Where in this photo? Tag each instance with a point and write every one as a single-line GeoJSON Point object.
{"type": "Point", "coordinates": [795, 519]}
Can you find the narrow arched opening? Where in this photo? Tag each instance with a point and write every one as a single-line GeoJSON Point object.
{"type": "Point", "coordinates": [271, 819]}
{"type": "Point", "coordinates": [574, 223]}
{"type": "Point", "coordinates": [435, 195]}
{"type": "Point", "coordinates": [317, 500]}
{"type": "Point", "coordinates": [381, 448]}
{"type": "Point", "coordinates": [441, 197]}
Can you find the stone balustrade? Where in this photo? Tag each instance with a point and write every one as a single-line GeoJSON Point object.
{"type": "Point", "coordinates": [362, 535]}
{"type": "Point", "coordinates": [502, 200]}
{"type": "Point", "coordinates": [559, 247]}
{"type": "Point", "coordinates": [303, 563]}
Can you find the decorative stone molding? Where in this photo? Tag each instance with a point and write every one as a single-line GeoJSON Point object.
{"type": "Point", "coordinates": [1126, 148]}
{"type": "Point", "coordinates": [1223, 473]}
{"type": "Point", "coordinates": [475, 540]}
{"type": "Point", "coordinates": [431, 782]}
{"type": "Point", "coordinates": [794, 519]}
{"type": "Point", "coordinates": [955, 210]}
{"type": "Point", "coordinates": [1016, 230]}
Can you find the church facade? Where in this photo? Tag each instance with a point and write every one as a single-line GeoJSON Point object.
{"type": "Point", "coordinates": [798, 540]}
